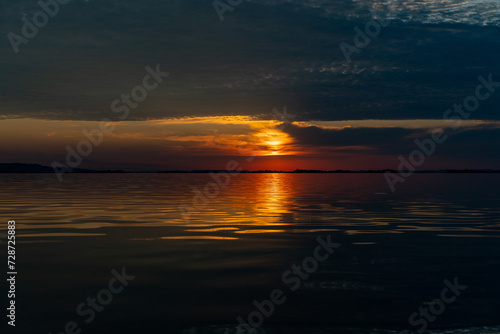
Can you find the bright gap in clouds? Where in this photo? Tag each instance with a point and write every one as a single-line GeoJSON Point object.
{"type": "Point", "coordinates": [206, 142]}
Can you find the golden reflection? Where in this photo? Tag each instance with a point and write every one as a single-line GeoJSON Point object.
{"type": "Point", "coordinates": [201, 237]}
{"type": "Point", "coordinates": [275, 193]}
{"type": "Point", "coordinates": [250, 204]}
{"type": "Point", "coordinates": [216, 229]}
{"type": "Point", "coordinates": [268, 199]}
{"type": "Point", "coordinates": [259, 231]}
{"type": "Point", "coordinates": [63, 234]}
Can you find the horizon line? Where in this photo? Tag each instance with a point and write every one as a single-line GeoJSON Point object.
{"type": "Point", "coordinates": [25, 168]}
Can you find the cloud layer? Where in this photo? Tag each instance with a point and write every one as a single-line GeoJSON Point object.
{"type": "Point", "coordinates": [264, 54]}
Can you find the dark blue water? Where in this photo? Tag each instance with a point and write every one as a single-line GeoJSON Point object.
{"type": "Point", "coordinates": [198, 275]}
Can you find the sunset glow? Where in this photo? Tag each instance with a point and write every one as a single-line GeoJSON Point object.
{"type": "Point", "coordinates": [212, 141]}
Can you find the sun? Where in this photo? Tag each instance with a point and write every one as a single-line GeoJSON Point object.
{"type": "Point", "coordinates": [273, 142]}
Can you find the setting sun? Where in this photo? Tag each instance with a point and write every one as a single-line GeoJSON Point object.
{"type": "Point", "coordinates": [272, 142]}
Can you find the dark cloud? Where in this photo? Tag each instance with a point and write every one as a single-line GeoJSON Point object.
{"type": "Point", "coordinates": [264, 54]}
{"type": "Point", "coordinates": [370, 137]}
{"type": "Point", "coordinates": [477, 146]}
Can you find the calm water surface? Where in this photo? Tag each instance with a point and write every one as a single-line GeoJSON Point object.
{"type": "Point", "coordinates": [199, 275]}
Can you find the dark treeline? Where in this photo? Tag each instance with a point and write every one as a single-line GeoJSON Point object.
{"type": "Point", "coordinates": [36, 168]}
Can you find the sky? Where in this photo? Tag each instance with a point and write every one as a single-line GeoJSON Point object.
{"type": "Point", "coordinates": [225, 78]}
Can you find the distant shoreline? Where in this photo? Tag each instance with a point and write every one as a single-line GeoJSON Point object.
{"type": "Point", "coordinates": [18, 168]}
